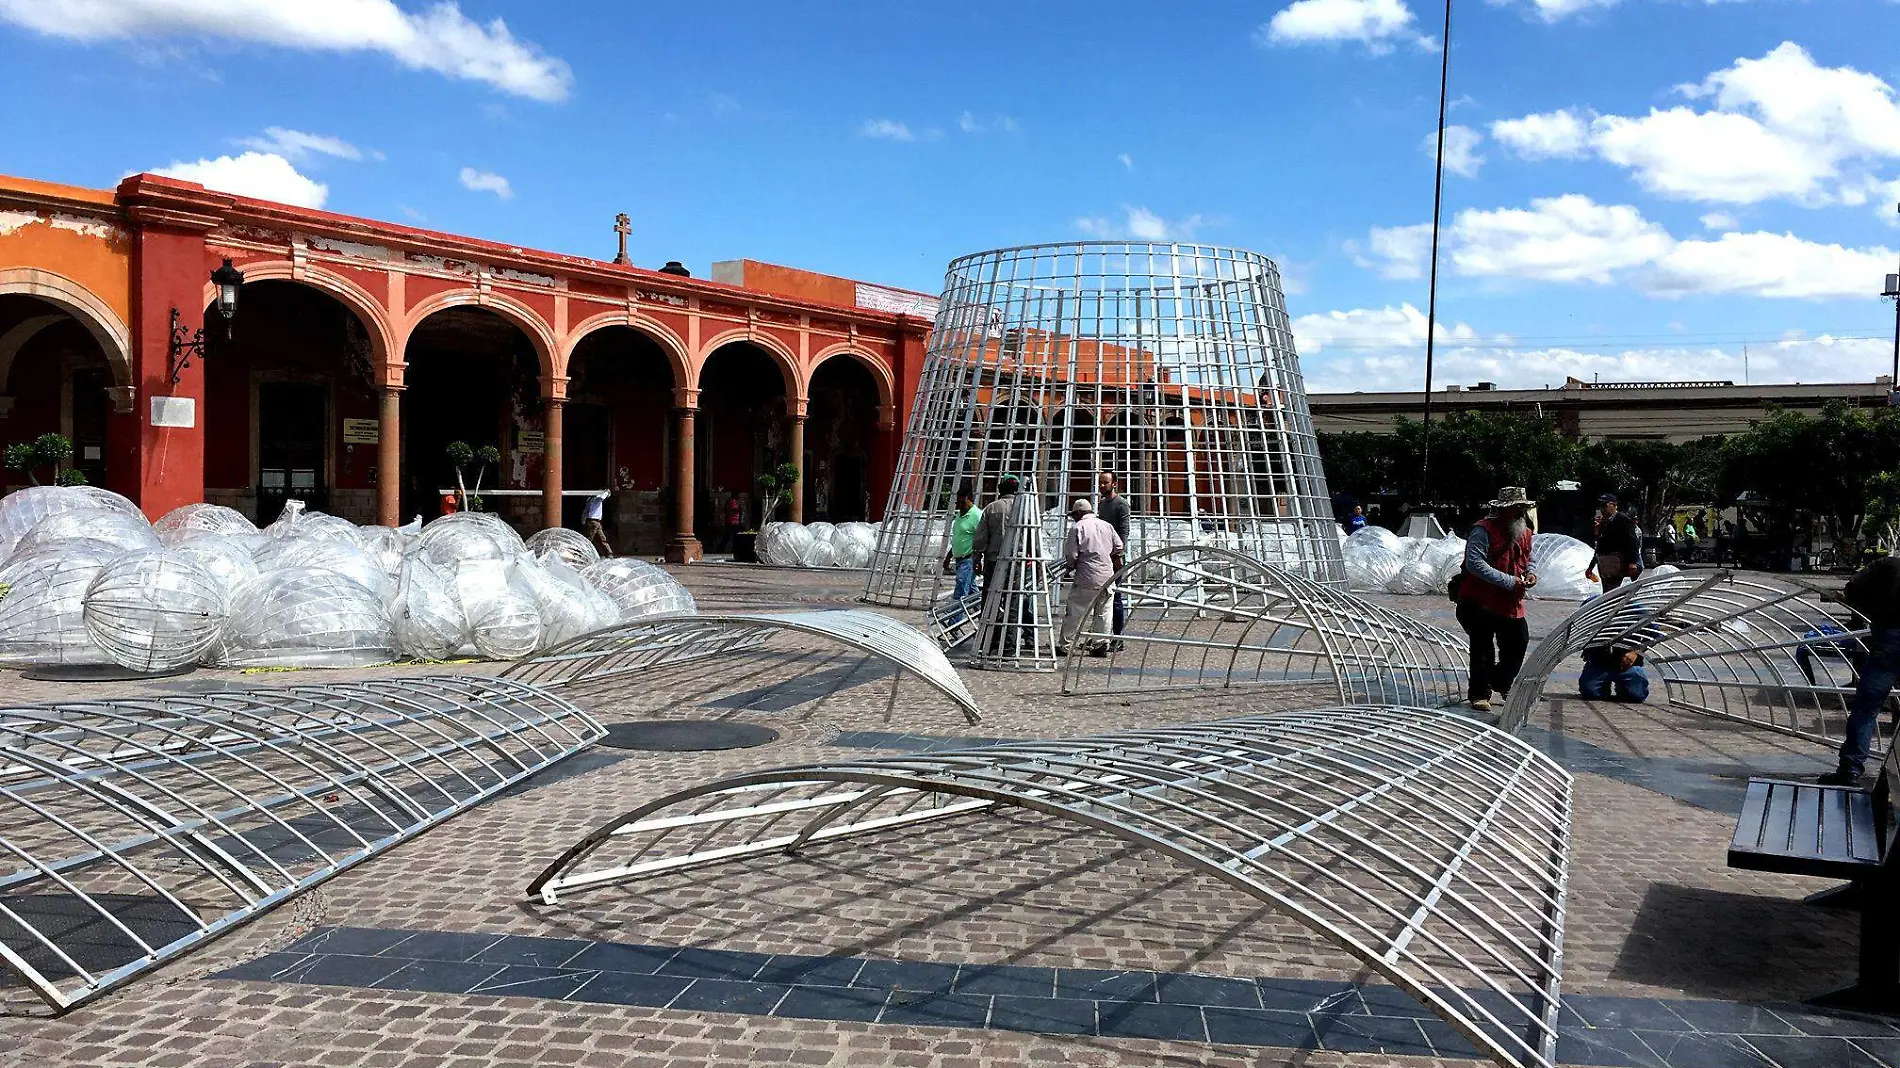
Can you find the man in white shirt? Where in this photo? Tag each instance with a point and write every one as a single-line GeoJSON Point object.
{"type": "Point", "coordinates": [596, 508]}
{"type": "Point", "coordinates": [1094, 550]}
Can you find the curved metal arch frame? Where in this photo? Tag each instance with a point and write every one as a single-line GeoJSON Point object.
{"type": "Point", "coordinates": [1723, 645]}
{"type": "Point", "coordinates": [1372, 654]}
{"type": "Point", "coordinates": [1432, 848]}
{"type": "Point", "coordinates": [664, 641]}
{"type": "Point", "coordinates": [188, 815]}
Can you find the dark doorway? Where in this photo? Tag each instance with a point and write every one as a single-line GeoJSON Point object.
{"type": "Point", "coordinates": [291, 419]}
{"type": "Point", "coordinates": [840, 431]}
{"type": "Point", "coordinates": [848, 495]}
{"type": "Point", "coordinates": [90, 409]}
{"type": "Point", "coordinates": [740, 434]}
{"type": "Point", "coordinates": [472, 377]}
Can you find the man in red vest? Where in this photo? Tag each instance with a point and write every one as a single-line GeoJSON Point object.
{"type": "Point", "coordinates": [1491, 591]}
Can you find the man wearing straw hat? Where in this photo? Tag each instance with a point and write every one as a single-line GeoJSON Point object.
{"type": "Point", "coordinates": [1491, 590]}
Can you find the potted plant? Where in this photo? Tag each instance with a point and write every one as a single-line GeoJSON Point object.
{"type": "Point", "coordinates": [775, 493]}
{"type": "Point", "coordinates": [460, 454]}
{"type": "Point", "coordinates": [49, 450]}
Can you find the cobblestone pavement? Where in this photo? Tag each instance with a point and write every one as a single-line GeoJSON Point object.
{"type": "Point", "coordinates": [1669, 954]}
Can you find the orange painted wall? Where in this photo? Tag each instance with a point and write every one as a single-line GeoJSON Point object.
{"type": "Point", "coordinates": [85, 242]}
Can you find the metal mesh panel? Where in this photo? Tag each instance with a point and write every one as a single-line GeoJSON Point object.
{"type": "Point", "coordinates": [1767, 652]}
{"type": "Point", "coordinates": [1431, 847]}
{"type": "Point", "coordinates": [672, 641]}
{"type": "Point", "coordinates": [1170, 365]}
{"type": "Point", "coordinates": [1201, 617]}
{"type": "Point", "coordinates": [141, 827]}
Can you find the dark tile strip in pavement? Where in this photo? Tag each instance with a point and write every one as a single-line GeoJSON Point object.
{"type": "Point", "coordinates": [1616, 1032]}
{"type": "Point", "coordinates": [1717, 786]}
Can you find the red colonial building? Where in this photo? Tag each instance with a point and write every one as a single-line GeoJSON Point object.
{"type": "Point", "coordinates": [360, 349]}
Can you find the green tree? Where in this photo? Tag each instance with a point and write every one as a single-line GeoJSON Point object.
{"type": "Point", "coordinates": [49, 450]}
{"type": "Point", "coordinates": [776, 490]}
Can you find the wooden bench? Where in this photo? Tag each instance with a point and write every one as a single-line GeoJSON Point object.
{"type": "Point", "coordinates": [1835, 832]}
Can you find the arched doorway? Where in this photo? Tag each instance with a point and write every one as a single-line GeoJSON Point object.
{"type": "Point", "coordinates": [56, 379]}
{"type": "Point", "coordinates": [740, 434]}
{"type": "Point", "coordinates": [290, 405]}
{"type": "Point", "coordinates": [473, 376]}
{"type": "Point", "coordinates": [840, 441]}
{"type": "Point", "coordinates": [618, 434]}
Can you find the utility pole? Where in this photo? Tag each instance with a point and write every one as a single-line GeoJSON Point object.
{"type": "Point", "coordinates": [1431, 299]}
{"type": "Point", "coordinates": [1893, 290]}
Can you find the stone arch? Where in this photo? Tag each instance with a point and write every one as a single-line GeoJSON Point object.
{"type": "Point", "coordinates": [104, 324]}
{"type": "Point", "coordinates": [530, 322]}
{"type": "Point", "coordinates": [880, 371]}
{"type": "Point", "coordinates": [650, 328]}
{"type": "Point", "coordinates": [368, 310]}
{"type": "Point", "coordinates": [795, 382]}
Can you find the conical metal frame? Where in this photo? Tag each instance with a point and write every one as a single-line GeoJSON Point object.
{"type": "Point", "coordinates": [1169, 365]}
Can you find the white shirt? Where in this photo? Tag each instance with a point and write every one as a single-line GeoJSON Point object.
{"type": "Point", "coordinates": [1090, 546]}
{"type": "Point", "coordinates": [594, 505]}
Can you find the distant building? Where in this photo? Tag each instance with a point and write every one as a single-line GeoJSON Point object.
{"type": "Point", "coordinates": [1660, 411]}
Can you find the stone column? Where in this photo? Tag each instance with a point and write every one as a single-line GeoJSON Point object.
{"type": "Point", "coordinates": [389, 459]}
{"type": "Point", "coordinates": [551, 466]}
{"type": "Point", "coordinates": [798, 458]}
{"type": "Point", "coordinates": [684, 548]}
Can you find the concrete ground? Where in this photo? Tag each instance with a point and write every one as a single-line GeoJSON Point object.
{"type": "Point", "coordinates": [1671, 958]}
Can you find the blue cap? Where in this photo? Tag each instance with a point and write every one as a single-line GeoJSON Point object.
{"type": "Point", "coordinates": [1608, 498]}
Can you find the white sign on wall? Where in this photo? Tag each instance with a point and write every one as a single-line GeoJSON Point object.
{"type": "Point", "coordinates": [896, 301]}
{"type": "Point", "coordinates": [174, 412]}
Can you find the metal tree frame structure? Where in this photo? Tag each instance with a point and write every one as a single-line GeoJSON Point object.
{"type": "Point", "coordinates": [669, 641]}
{"type": "Point", "coordinates": [1017, 628]}
{"type": "Point", "coordinates": [1770, 653]}
{"type": "Point", "coordinates": [1171, 365]}
{"type": "Point", "coordinates": [1201, 617]}
{"type": "Point", "coordinates": [141, 827]}
{"type": "Point", "coordinates": [1432, 848]}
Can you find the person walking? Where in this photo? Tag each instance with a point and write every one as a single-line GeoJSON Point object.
{"type": "Point", "coordinates": [1491, 588]}
{"type": "Point", "coordinates": [992, 530]}
{"type": "Point", "coordinates": [1688, 541]}
{"type": "Point", "coordinates": [1094, 552]}
{"type": "Point", "coordinates": [1356, 522]}
{"type": "Point", "coordinates": [1112, 507]}
{"type": "Point", "coordinates": [591, 525]}
{"type": "Point", "coordinates": [1619, 552]}
{"type": "Point", "coordinates": [735, 518]}
{"type": "Point", "coordinates": [1875, 595]}
{"type": "Point", "coordinates": [961, 560]}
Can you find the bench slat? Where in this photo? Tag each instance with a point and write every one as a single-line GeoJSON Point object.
{"type": "Point", "coordinates": [1804, 832]}
{"type": "Point", "coordinates": [1803, 829]}
{"type": "Point", "coordinates": [1865, 838]}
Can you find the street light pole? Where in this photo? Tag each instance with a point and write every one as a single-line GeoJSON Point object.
{"type": "Point", "coordinates": [1431, 298]}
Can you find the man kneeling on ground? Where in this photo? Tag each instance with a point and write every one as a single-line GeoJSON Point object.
{"type": "Point", "coordinates": [1611, 674]}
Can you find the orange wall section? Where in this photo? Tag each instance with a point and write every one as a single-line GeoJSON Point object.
{"type": "Point", "coordinates": [77, 233]}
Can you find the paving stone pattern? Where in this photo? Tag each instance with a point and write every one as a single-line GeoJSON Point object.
{"type": "Point", "coordinates": [1297, 1014]}
{"type": "Point", "coordinates": [1670, 956]}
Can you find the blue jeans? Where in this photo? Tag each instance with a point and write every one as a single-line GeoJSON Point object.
{"type": "Point", "coordinates": [966, 578]}
{"type": "Point", "coordinates": [1877, 674]}
{"type": "Point", "coordinates": [1602, 684]}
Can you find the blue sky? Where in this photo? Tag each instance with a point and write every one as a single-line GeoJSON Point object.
{"type": "Point", "coordinates": [1646, 186]}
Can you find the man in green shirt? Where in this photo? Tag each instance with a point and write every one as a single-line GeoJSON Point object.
{"type": "Point", "coordinates": [963, 526]}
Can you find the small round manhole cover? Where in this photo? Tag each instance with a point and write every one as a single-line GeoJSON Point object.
{"type": "Point", "coordinates": [686, 736]}
{"type": "Point", "coordinates": [97, 673]}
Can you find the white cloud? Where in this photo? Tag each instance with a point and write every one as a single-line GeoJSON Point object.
{"type": "Point", "coordinates": [1769, 265]}
{"type": "Point", "coordinates": [1572, 238]}
{"type": "Point", "coordinates": [1557, 239]}
{"type": "Point", "coordinates": [263, 175]}
{"type": "Point", "coordinates": [1781, 127]}
{"type": "Point", "coordinates": [486, 182]}
{"type": "Point", "coordinates": [1551, 135]}
{"type": "Point", "coordinates": [1140, 224]}
{"type": "Point", "coordinates": [438, 38]}
{"type": "Point", "coordinates": [1396, 251]}
{"type": "Point", "coordinates": [970, 123]}
{"type": "Point", "coordinates": [295, 144]}
{"type": "Point", "coordinates": [1553, 10]}
{"type": "Point", "coordinates": [1373, 329]}
{"type": "Point", "coordinates": [1461, 150]}
{"type": "Point", "coordinates": [1376, 24]}
{"type": "Point", "coordinates": [886, 130]}
{"type": "Point", "coordinates": [1791, 359]}
{"type": "Point", "coordinates": [1719, 220]}
{"type": "Point", "coordinates": [1127, 161]}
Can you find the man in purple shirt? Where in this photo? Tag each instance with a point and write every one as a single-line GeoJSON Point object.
{"type": "Point", "coordinates": [1094, 550]}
